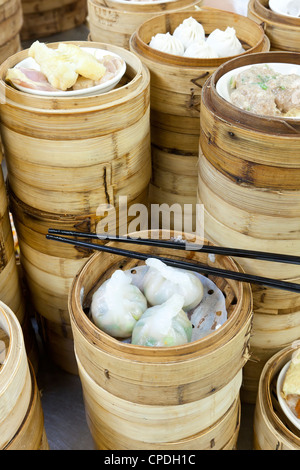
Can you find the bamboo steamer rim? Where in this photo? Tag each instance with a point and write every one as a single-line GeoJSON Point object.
{"type": "Point", "coordinates": [139, 43]}
{"type": "Point", "coordinates": [12, 327]}
{"type": "Point", "coordinates": [246, 119]}
{"type": "Point", "coordinates": [151, 7]}
{"type": "Point", "coordinates": [272, 366]}
{"type": "Point", "coordinates": [77, 104]}
{"type": "Point", "coordinates": [261, 8]}
{"type": "Point", "coordinates": [79, 320]}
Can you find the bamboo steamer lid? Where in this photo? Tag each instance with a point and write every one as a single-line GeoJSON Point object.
{"type": "Point", "coordinates": [15, 379]}
{"type": "Point", "coordinates": [47, 17]}
{"type": "Point", "coordinates": [272, 430]}
{"type": "Point", "coordinates": [249, 185]}
{"type": "Point", "coordinates": [176, 87]}
{"type": "Point", "coordinates": [115, 21]}
{"type": "Point", "coordinates": [283, 31]}
{"type": "Point", "coordinates": [11, 21]}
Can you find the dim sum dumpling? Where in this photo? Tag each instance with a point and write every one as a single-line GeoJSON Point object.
{"type": "Point", "coordinates": [200, 50]}
{"type": "Point", "coordinates": [189, 31]}
{"type": "Point", "coordinates": [225, 43]}
{"type": "Point", "coordinates": [84, 63]}
{"type": "Point", "coordinates": [167, 43]}
{"type": "Point", "coordinates": [163, 325]}
{"type": "Point", "coordinates": [162, 281]}
{"type": "Point", "coordinates": [117, 305]}
{"type": "Point", "coordinates": [59, 72]}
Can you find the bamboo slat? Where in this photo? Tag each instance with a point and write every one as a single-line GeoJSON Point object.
{"type": "Point", "coordinates": [272, 430]}
{"type": "Point", "coordinates": [11, 21]}
{"type": "Point", "coordinates": [114, 22]}
{"type": "Point", "coordinates": [117, 378]}
{"type": "Point", "coordinates": [176, 86]}
{"type": "Point", "coordinates": [47, 17]}
{"type": "Point", "coordinates": [249, 186]}
{"type": "Point", "coordinates": [283, 31]}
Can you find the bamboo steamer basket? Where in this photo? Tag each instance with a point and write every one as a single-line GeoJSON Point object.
{"type": "Point", "coordinates": [115, 21]}
{"type": "Point", "coordinates": [124, 384]}
{"type": "Point", "coordinates": [15, 379]}
{"type": "Point", "coordinates": [283, 31]}
{"type": "Point", "coordinates": [272, 430]}
{"type": "Point", "coordinates": [11, 20]}
{"type": "Point", "coordinates": [47, 17]}
{"type": "Point", "coordinates": [249, 186]}
{"type": "Point", "coordinates": [176, 85]}
{"type": "Point", "coordinates": [68, 156]}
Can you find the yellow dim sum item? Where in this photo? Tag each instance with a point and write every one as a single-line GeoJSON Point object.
{"type": "Point", "coordinates": [291, 384]}
{"type": "Point", "coordinates": [59, 72]}
{"type": "Point", "coordinates": [85, 64]}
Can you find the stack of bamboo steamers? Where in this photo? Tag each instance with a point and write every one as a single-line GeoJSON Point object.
{"type": "Point", "coordinates": [163, 136]}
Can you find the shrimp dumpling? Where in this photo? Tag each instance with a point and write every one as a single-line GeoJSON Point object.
{"type": "Point", "coordinates": [189, 31]}
{"type": "Point", "coordinates": [225, 43]}
{"type": "Point", "coordinates": [167, 43]}
{"type": "Point", "coordinates": [162, 281]}
{"type": "Point", "coordinates": [163, 325]}
{"type": "Point", "coordinates": [117, 305]}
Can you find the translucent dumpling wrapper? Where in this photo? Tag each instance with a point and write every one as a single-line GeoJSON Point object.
{"type": "Point", "coordinates": [200, 50]}
{"type": "Point", "coordinates": [225, 43]}
{"type": "Point", "coordinates": [117, 305]}
{"type": "Point", "coordinates": [167, 43]}
{"type": "Point", "coordinates": [162, 281]}
{"type": "Point", "coordinates": [189, 31]}
{"type": "Point", "coordinates": [163, 325]}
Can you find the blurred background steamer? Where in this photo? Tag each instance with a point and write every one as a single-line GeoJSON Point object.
{"type": "Point", "coordinates": [283, 31]}
{"type": "Point", "coordinates": [114, 21]}
{"type": "Point", "coordinates": [47, 17]}
{"type": "Point", "coordinates": [11, 21]}
{"type": "Point", "coordinates": [250, 187]}
{"type": "Point", "coordinates": [176, 87]}
{"type": "Point", "coordinates": [67, 157]}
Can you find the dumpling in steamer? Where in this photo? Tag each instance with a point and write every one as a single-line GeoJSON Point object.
{"type": "Point", "coordinates": [167, 43]}
{"type": "Point", "coordinates": [163, 325]}
{"type": "Point", "coordinates": [225, 43]}
{"type": "Point", "coordinates": [162, 281]}
{"type": "Point", "coordinates": [189, 31]}
{"type": "Point", "coordinates": [200, 50]}
{"type": "Point", "coordinates": [117, 305]}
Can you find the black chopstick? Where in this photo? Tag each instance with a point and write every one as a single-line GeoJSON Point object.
{"type": "Point", "coordinates": [195, 267]}
{"type": "Point", "coordinates": [182, 245]}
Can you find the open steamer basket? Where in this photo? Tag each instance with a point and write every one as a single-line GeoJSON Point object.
{"type": "Point", "coordinates": [45, 18]}
{"type": "Point", "coordinates": [11, 20]}
{"type": "Point", "coordinates": [272, 429]}
{"type": "Point", "coordinates": [66, 157]}
{"type": "Point", "coordinates": [250, 188]}
{"type": "Point", "coordinates": [115, 21]}
{"type": "Point", "coordinates": [21, 415]}
{"type": "Point", "coordinates": [176, 86]}
{"type": "Point", "coordinates": [184, 397]}
{"type": "Point", "coordinates": [283, 31]}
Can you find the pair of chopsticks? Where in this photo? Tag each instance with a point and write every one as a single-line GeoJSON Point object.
{"type": "Point", "coordinates": [59, 235]}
